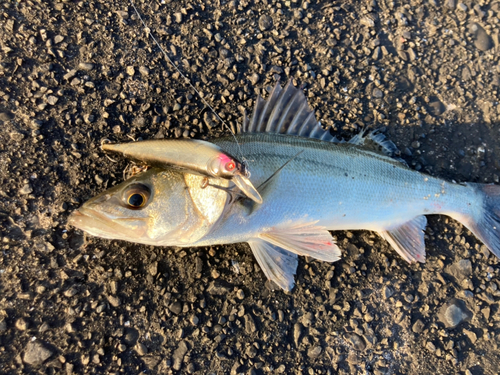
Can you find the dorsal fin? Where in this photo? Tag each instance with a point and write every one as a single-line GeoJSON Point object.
{"type": "Point", "coordinates": [375, 141]}
{"type": "Point", "coordinates": [286, 111]}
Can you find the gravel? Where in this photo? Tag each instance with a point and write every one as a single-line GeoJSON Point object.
{"type": "Point", "coordinates": [36, 353]}
{"type": "Point", "coordinates": [454, 312]}
{"type": "Point", "coordinates": [179, 354]}
{"type": "Point", "coordinates": [265, 22]}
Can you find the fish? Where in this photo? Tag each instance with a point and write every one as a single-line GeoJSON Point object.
{"type": "Point", "coordinates": [311, 183]}
{"type": "Point", "coordinates": [194, 155]}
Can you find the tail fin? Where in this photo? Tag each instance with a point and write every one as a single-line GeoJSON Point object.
{"type": "Point", "coordinates": [486, 226]}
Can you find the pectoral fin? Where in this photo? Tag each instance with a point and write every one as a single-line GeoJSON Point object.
{"type": "Point", "coordinates": [408, 239]}
{"type": "Point", "coordinates": [276, 251]}
{"type": "Point", "coordinates": [306, 239]}
{"type": "Point", "coordinates": [278, 264]}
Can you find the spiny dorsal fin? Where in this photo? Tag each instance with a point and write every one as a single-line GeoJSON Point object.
{"type": "Point", "coordinates": [285, 112]}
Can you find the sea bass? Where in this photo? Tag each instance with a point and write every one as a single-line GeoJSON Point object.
{"type": "Point", "coordinates": [310, 183]}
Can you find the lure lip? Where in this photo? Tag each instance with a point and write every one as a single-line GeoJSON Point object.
{"type": "Point", "coordinates": [246, 186]}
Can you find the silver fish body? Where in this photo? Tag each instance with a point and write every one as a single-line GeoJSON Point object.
{"type": "Point", "coordinates": [341, 186]}
{"type": "Point", "coordinates": [310, 184]}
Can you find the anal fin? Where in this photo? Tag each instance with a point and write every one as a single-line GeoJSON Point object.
{"type": "Point", "coordinates": [278, 264]}
{"type": "Point", "coordinates": [408, 239]}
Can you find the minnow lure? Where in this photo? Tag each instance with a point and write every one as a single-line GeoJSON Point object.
{"type": "Point", "coordinates": [192, 155]}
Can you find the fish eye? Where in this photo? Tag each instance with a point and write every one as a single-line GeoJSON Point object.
{"type": "Point", "coordinates": [136, 196]}
{"type": "Point", "coordinates": [136, 200]}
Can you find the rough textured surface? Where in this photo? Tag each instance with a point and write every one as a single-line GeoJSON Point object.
{"type": "Point", "coordinates": [36, 353]}
{"type": "Point", "coordinates": [75, 72]}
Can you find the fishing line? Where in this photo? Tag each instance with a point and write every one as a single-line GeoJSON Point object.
{"type": "Point", "coordinates": [186, 79]}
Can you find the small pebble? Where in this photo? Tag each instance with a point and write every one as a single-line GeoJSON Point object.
{"type": "Point", "coordinates": [482, 40]}
{"type": "Point", "coordinates": [88, 118]}
{"type": "Point", "coordinates": [176, 308]}
{"type": "Point", "coordinates": [22, 324]}
{"type": "Point", "coordinates": [464, 266]}
{"type": "Point", "coordinates": [387, 292]}
{"type": "Point", "coordinates": [418, 326]}
{"type": "Point", "coordinates": [377, 93]}
{"type": "Point", "coordinates": [36, 353]}
{"type": "Point", "coordinates": [314, 352]}
{"type": "Point", "coordinates": [153, 269]}
{"type": "Point", "coordinates": [141, 349]}
{"type": "Point", "coordinates": [297, 332]}
{"type": "Point", "coordinates": [191, 368]}
{"type": "Point", "coordinates": [86, 66]}
{"type": "Point", "coordinates": [357, 342]}
{"type": "Point", "coordinates": [240, 294]}
{"type": "Point", "coordinates": [6, 116]}
{"type": "Point", "coordinates": [249, 324]}
{"type": "Point", "coordinates": [194, 320]}
{"type": "Point", "coordinates": [454, 312]}
{"type": "Point", "coordinates": [430, 346]}
{"type": "Point", "coordinates": [130, 70]}
{"type": "Point", "coordinates": [26, 189]}
{"type": "Point", "coordinates": [451, 4]}
{"type": "Point", "coordinates": [178, 355]}
{"type": "Point", "coordinates": [51, 99]}
{"type": "Point", "coordinates": [114, 301]}
{"type": "Point", "coordinates": [265, 22]}
{"type": "Point", "coordinates": [367, 21]}
{"type": "Point", "coordinates": [70, 74]}
{"type": "Point", "coordinates": [254, 78]}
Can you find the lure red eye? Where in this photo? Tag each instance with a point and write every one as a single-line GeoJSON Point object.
{"type": "Point", "coordinates": [230, 166]}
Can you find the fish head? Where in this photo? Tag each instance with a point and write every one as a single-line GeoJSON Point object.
{"type": "Point", "coordinates": [157, 207]}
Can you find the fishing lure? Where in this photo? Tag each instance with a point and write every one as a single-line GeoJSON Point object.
{"type": "Point", "coordinates": [192, 155]}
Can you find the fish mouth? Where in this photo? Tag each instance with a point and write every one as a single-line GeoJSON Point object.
{"type": "Point", "coordinates": [92, 222]}
{"type": "Point", "coordinates": [100, 225]}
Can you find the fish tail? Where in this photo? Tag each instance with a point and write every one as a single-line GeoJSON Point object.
{"type": "Point", "coordinates": [485, 221]}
